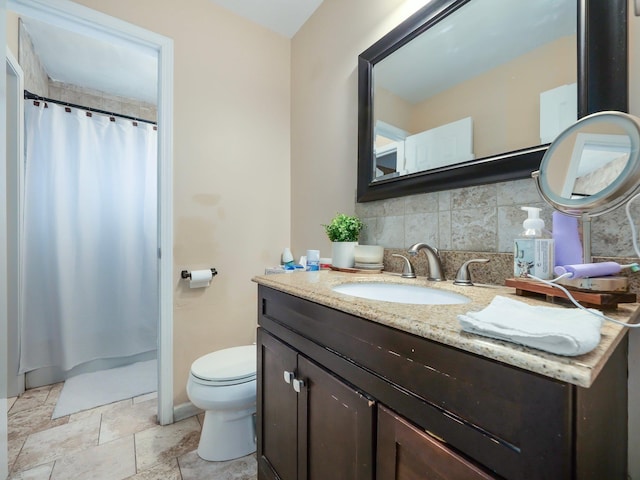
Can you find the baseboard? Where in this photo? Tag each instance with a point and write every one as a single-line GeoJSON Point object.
{"type": "Point", "coordinates": [185, 410]}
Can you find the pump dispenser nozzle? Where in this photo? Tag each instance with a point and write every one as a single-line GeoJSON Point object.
{"type": "Point", "coordinates": [534, 212]}
{"type": "Point", "coordinates": [533, 225]}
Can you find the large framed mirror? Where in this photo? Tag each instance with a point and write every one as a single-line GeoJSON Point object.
{"type": "Point", "coordinates": [469, 92]}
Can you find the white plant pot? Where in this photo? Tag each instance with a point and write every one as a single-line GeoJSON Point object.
{"type": "Point", "coordinates": [342, 254]}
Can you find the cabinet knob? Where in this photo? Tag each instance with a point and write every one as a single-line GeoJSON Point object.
{"type": "Point", "coordinates": [298, 384]}
{"type": "Point", "coordinates": [288, 376]}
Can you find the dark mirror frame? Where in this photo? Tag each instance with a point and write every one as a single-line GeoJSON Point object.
{"type": "Point", "coordinates": [602, 85]}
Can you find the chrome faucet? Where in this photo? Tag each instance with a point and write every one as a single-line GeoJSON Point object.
{"type": "Point", "coordinates": [433, 260]}
{"type": "Point", "coordinates": [408, 271]}
{"type": "Point", "coordinates": [463, 275]}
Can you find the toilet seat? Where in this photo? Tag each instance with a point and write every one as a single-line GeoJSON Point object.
{"type": "Point", "coordinates": [223, 384]}
{"type": "Point", "coordinates": [230, 366]}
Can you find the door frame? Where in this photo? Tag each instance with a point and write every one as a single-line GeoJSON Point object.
{"type": "Point", "coordinates": [78, 18]}
{"type": "Point", "coordinates": [15, 191]}
{"type": "Point", "coordinates": [4, 448]}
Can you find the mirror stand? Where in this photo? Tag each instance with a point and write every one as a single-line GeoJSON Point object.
{"type": "Point", "coordinates": [592, 168]}
{"type": "Point", "coordinates": [586, 237]}
{"type": "Point", "coordinates": [585, 219]}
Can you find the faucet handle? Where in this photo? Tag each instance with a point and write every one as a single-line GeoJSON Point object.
{"type": "Point", "coordinates": [463, 275]}
{"type": "Point", "coordinates": [408, 271]}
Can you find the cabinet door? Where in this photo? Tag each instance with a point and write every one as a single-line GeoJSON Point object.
{"type": "Point", "coordinates": [276, 409]}
{"type": "Point", "coordinates": [407, 453]}
{"type": "Point", "coordinates": [335, 427]}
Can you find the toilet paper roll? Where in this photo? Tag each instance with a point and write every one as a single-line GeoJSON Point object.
{"type": "Point", "coordinates": [200, 278]}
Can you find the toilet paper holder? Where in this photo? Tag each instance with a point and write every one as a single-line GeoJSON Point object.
{"type": "Point", "coordinates": [187, 274]}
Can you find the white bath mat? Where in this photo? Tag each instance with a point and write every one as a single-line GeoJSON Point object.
{"type": "Point", "coordinates": [90, 390]}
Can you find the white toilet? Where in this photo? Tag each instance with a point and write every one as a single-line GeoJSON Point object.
{"type": "Point", "coordinates": [223, 384]}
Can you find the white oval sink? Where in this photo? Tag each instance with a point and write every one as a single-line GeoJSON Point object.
{"type": "Point", "coordinates": [401, 293]}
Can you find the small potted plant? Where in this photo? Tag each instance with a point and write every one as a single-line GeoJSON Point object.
{"type": "Point", "coordinates": [343, 232]}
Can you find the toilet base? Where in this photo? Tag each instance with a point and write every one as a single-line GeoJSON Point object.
{"type": "Point", "coordinates": [227, 436]}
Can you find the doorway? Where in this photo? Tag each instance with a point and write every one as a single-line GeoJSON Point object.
{"type": "Point", "coordinates": [80, 19]}
{"type": "Point", "coordinates": [15, 187]}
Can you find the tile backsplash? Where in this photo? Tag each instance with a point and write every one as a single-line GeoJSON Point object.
{"type": "Point", "coordinates": [499, 267]}
{"type": "Point", "coordinates": [485, 218]}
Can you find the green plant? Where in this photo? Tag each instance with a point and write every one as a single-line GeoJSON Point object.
{"type": "Point", "coordinates": [344, 228]}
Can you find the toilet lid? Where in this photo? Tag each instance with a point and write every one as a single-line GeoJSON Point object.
{"type": "Point", "coordinates": [230, 364]}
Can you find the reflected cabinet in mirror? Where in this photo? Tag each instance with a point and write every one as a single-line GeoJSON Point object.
{"type": "Point", "coordinates": [468, 92]}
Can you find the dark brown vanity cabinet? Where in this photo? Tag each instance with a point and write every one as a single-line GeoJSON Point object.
{"type": "Point", "coordinates": [405, 452]}
{"type": "Point", "coordinates": [312, 426]}
{"type": "Point", "coordinates": [378, 403]}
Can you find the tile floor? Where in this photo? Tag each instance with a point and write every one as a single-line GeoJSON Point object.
{"type": "Point", "coordinates": [117, 441]}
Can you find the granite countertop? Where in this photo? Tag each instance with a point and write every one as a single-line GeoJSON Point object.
{"type": "Point", "coordinates": [439, 322]}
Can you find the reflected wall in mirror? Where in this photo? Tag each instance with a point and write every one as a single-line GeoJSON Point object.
{"type": "Point", "coordinates": [428, 89]}
{"type": "Point", "coordinates": [467, 92]}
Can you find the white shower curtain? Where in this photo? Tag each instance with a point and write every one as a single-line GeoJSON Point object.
{"type": "Point", "coordinates": [90, 254]}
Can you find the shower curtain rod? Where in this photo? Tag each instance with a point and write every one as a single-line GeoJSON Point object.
{"type": "Point", "coordinates": [32, 96]}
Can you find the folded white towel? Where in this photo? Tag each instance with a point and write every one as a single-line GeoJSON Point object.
{"type": "Point", "coordinates": [563, 331]}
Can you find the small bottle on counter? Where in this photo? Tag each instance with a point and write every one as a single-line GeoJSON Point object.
{"type": "Point", "coordinates": [313, 260]}
{"type": "Point", "coordinates": [287, 257]}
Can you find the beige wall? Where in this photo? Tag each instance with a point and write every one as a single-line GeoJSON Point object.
{"type": "Point", "coordinates": [12, 33]}
{"type": "Point", "coordinates": [324, 110]}
{"type": "Point", "coordinates": [392, 109]}
{"type": "Point", "coordinates": [231, 165]}
{"type": "Point", "coordinates": [506, 116]}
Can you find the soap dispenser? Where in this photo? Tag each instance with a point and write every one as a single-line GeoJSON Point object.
{"type": "Point", "coordinates": [534, 248]}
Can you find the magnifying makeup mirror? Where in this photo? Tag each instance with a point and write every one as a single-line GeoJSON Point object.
{"type": "Point", "coordinates": [591, 168]}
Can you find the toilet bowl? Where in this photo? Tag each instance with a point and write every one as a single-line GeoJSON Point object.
{"type": "Point", "coordinates": [223, 384]}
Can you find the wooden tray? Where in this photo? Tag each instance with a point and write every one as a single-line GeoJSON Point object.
{"type": "Point", "coordinates": [355, 270]}
{"type": "Point", "coordinates": [531, 288]}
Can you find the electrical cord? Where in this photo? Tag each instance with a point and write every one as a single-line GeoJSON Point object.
{"type": "Point", "coordinates": [552, 283]}
{"type": "Point", "coordinates": [633, 267]}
